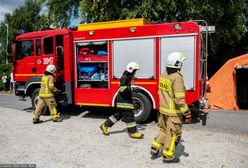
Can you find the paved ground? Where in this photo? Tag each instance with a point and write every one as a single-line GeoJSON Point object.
{"type": "Point", "coordinates": [78, 142]}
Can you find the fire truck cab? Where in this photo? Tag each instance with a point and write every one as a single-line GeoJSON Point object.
{"type": "Point", "coordinates": [91, 60]}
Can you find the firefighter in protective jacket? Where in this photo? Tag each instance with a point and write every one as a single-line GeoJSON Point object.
{"type": "Point", "coordinates": [172, 108]}
{"type": "Point", "coordinates": [124, 104]}
{"type": "Point", "coordinates": [46, 96]}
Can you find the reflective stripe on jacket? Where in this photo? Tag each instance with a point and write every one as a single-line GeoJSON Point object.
{"type": "Point", "coordinates": [172, 94]}
{"type": "Point", "coordinates": [47, 86]}
{"type": "Point", "coordinates": [125, 106]}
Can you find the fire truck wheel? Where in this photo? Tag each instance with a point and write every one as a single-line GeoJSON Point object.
{"type": "Point", "coordinates": [143, 107]}
{"type": "Point", "coordinates": [34, 100]}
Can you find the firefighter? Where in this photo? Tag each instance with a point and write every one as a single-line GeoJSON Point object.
{"type": "Point", "coordinates": [172, 108]}
{"type": "Point", "coordinates": [46, 96]}
{"type": "Point", "coordinates": [124, 104]}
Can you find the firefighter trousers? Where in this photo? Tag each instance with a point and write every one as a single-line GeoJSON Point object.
{"type": "Point", "coordinates": [51, 104]}
{"type": "Point", "coordinates": [127, 115]}
{"type": "Point", "coordinates": [169, 134]}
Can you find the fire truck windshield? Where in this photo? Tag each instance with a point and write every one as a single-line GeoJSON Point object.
{"type": "Point", "coordinates": [24, 48]}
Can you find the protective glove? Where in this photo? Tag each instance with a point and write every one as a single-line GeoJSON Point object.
{"type": "Point", "coordinates": [136, 89]}
{"type": "Point", "coordinates": [57, 91]}
{"type": "Point", "coordinates": [188, 117]}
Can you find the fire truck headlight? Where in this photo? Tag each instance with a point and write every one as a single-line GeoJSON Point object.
{"type": "Point", "coordinates": [132, 29]}
{"type": "Point", "coordinates": [177, 26]}
{"type": "Point", "coordinates": [91, 33]}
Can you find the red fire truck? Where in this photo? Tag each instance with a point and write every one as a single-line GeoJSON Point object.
{"type": "Point", "coordinates": [91, 60]}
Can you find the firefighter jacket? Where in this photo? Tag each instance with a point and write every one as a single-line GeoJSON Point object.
{"type": "Point", "coordinates": [47, 86]}
{"type": "Point", "coordinates": [124, 96]}
{"type": "Point", "coordinates": [172, 93]}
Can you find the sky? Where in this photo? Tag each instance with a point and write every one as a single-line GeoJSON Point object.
{"type": "Point", "coordinates": [7, 6]}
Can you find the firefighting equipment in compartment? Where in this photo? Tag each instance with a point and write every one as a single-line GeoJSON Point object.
{"type": "Point", "coordinates": [132, 66]}
{"type": "Point", "coordinates": [175, 60]}
{"type": "Point", "coordinates": [85, 51]}
{"type": "Point", "coordinates": [86, 72]}
{"type": "Point", "coordinates": [51, 68]}
{"type": "Point", "coordinates": [172, 106]}
{"type": "Point", "coordinates": [124, 104]}
{"type": "Point", "coordinates": [46, 95]}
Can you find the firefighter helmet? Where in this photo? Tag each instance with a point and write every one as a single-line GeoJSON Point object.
{"type": "Point", "coordinates": [51, 68]}
{"type": "Point", "coordinates": [132, 66]}
{"type": "Point", "coordinates": [175, 60]}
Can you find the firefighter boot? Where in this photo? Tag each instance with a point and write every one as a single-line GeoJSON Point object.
{"type": "Point", "coordinates": [136, 135]}
{"type": "Point", "coordinates": [104, 129]}
{"type": "Point", "coordinates": [56, 119]}
{"type": "Point", "coordinates": [170, 159]}
{"type": "Point", "coordinates": [37, 121]}
{"type": "Point", "coordinates": [154, 153]}
{"type": "Point", "coordinates": [154, 150]}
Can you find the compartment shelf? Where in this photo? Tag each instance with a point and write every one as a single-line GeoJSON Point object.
{"type": "Point", "coordinates": [93, 58]}
{"type": "Point", "coordinates": [85, 80]}
{"type": "Point", "coordinates": [92, 84]}
{"type": "Point", "coordinates": [92, 64]}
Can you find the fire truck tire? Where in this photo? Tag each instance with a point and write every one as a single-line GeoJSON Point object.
{"type": "Point", "coordinates": [34, 101]}
{"type": "Point", "coordinates": [143, 107]}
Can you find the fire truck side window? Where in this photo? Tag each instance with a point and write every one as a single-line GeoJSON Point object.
{"type": "Point", "coordinates": [24, 48]}
{"type": "Point", "coordinates": [48, 45]}
{"type": "Point", "coordinates": [38, 47]}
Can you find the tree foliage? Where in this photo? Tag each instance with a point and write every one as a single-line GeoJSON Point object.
{"type": "Point", "coordinates": [229, 17]}
{"type": "Point", "coordinates": [60, 12]}
{"type": "Point", "coordinates": [27, 18]}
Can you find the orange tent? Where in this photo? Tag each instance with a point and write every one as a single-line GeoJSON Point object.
{"type": "Point", "coordinates": [223, 85]}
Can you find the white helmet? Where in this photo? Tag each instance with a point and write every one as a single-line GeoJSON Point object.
{"type": "Point", "coordinates": [175, 60]}
{"type": "Point", "coordinates": [131, 66]}
{"type": "Point", "coordinates": [51, 68]}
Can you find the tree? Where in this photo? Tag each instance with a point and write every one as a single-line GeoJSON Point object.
{"type": "Point", "coordinates": [93, 11]}
{"type": "Point", "coordinates": [60, 12]}
{"type": "Point", "coordinates": [27, 17]}
{"type": "Point", "coordinates": [230, 20]}
{"type": "Point", "coordinates": [228, 16]}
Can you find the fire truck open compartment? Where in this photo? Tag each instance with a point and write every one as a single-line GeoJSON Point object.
{"type": "Point", "coordinates": [92, 64]}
